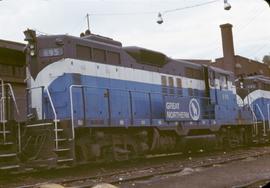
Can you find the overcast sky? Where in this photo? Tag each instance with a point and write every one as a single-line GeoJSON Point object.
{"type": "Point", "coordinates": [191, 33]}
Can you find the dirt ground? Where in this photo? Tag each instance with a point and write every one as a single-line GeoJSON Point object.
{"type": "Point", "coordinates": [234, 174]}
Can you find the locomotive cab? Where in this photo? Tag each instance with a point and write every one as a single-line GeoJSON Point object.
{"type": "Point", "coordinates": [222, 96]}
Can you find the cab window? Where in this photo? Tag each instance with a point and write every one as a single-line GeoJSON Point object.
{"type": "Point", "coordinates": [223, 81]}
{"type": "Point", "coordinates": [212, 78]}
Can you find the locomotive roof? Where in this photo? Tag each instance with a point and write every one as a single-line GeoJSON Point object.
{"type": "Point", "coordinates": [93, 39]}
{"type": "Point", "coordinates": [150, 58]}
{"type": "Point", "coordinates": [110, 43]}
{"type": "Point", "coordinates": [261, 78]}
{"type": "Point", "coordinates": [216, 69]}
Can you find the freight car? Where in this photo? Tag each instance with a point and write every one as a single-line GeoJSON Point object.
{"type": "Point", "coordinates": [91, 99]}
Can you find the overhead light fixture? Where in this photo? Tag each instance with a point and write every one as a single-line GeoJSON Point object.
{"type": "Point", "coordinates": [159, 19]}
{"type": "Point", "coordinates": [227, 5]}
{"type": "Point", "coordinates": [268, 2]}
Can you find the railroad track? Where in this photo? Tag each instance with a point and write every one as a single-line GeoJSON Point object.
{"type": "Point", "coordinates": [149, 171]}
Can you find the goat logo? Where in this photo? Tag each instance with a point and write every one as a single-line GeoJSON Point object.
{"type": "Point", "coordinates": [194, 109]}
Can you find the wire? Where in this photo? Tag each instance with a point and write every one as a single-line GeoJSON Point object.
{"type": "Point", "coordinates": [154, 12]}
{"type": "Point", "coordinates": [251, 20]}
{"type": "Point", "coordinates": [189, 7]}
{"type": "Point", "coordinates": [261, 48]}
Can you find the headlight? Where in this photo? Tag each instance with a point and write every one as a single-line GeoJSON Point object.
{"type": "Point", "coordinates": [32, 53]}
{"type": "Point", "coordinates": [32, 46]}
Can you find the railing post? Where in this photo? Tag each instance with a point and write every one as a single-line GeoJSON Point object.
{"type": "Point", "coordinates": [150, 108]}
{"type": "Point", "coordinates": [19, 138]}
{"type": "Point", "coordinates": [42, 101]}
{"type": "Point", "coordinates": [255, 125]}
{"type": "Point", "coordinates": [109, 106]}
{"type": "Point", "coordinates": [14, 99]}
{"type": "Point", "coordinates": [268, 110]}
{"type": "Point", "coordinates": [84, 106]}
{"type": "Point", "coordinates": [8, 116]}
{"type": "Point", "coordinates": [27, 101]}
{"type": "Point", "coordinates": [3, 113]}
{"type": "Point", "coordinates": [264, 126]}
{"type": "Point", "coordinates": [3, 100]}
{"type": "Point", "coordinates": [131, 108]}
{"type": "Point", "coordinates": [71, 111]}
{"type": "Point", "coordinates": [55, 119]}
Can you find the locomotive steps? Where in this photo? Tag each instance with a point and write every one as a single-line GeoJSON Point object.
{"type": "Point", "coordinates": [8, 148]}
{"type": "Point", "coordinates": [47, 144]}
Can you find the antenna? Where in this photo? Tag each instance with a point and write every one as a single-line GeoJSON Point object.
{"type": "Point", "coordinates": [87, 18]}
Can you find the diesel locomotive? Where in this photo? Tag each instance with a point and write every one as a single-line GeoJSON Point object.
{"type": "Point", "coordinates": [91, 99]}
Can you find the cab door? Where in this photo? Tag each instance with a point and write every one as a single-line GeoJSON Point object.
{"type": "Point", "coordinates": [212, 87]}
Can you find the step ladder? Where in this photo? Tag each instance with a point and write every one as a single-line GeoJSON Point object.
{"type": "Point", "coordinates": [9, 145]}
{"type": "Point", "coordinates": [64, 143]}
{"type": "Point", "coordinates": [38, 144]}
{"type": "Point", "coordinates": [48, 144]}
{"type": "Point", "coordinates": [63, 137]}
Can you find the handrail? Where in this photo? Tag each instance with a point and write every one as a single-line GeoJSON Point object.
{"type": "Point", "coordinates": [19, 138]}
{"type": "Point", "coordinates": [1, 107]}
{"type": "Point", "coordinates": [55, 118]}
{"type": "Point", "coordinates": [13, 97]}
{"type": "Point", "coordinates": [71, 109]}
{"type": "Point", "coordinates": [264, 127]}
{"type": "Point", "coordinates": [268, 110]}
{"type": "Point", "coordinates": [254, 118]}
{"type": "Point", "coordinates": [3, 113]}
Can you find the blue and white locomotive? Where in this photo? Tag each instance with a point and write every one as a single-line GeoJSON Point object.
{"type": "Point", "coordinates": [99, 100]}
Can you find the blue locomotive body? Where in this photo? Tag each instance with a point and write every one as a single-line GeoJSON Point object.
{"type": "Point", "coordinates": [100, 93]}
{"type": "Point", "coordinates": [101, 101]}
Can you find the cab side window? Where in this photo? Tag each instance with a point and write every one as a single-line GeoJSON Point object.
{"type": "Point", "coordinates": [212, 78]}
{"type": "Point", "coordinates": [223, 81]}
